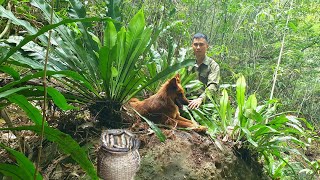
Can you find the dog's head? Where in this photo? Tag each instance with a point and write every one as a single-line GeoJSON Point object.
{"type": "Point", "coordinates": [176, 92]}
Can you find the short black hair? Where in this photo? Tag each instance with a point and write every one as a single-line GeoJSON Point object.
{"type": "Point", "coordinates": [200, 35]}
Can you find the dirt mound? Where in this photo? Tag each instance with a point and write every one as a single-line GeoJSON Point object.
{"type": "Point", "coordinates": [188, 155]}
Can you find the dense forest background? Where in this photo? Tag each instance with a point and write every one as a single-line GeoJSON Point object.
{"type": "Point", "coordinates": [245, 37]}
{"type": "Point", "coordinates": [270, 48]}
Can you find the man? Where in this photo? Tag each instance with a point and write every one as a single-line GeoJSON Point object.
{"type": "Point", "coordinates": [208, 71]}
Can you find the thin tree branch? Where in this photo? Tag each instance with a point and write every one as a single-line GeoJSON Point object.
{"type": "Point", "coordinates": [280, 56]}
{"type": "Point", "coordinates": [6, 29]}
{"type": "Point", "coordinates": [44, 107]}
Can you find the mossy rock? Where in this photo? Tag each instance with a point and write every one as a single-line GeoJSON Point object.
{"type": "Point", "coordinates": [188, 155]}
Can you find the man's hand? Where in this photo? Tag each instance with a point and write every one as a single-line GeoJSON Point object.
{"type": "Point", "coordinates": [193, 104]}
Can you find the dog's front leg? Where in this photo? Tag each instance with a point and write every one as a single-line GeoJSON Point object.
{"type": "Point", "coordinates": [183, 122]}
{"type": "Point", "coordinates": [171, 122]}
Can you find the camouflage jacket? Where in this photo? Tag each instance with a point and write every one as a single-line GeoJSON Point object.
{"type": "Point", "coordinates": [209, 74]}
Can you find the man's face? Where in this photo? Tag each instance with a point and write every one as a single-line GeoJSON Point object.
{"type": "Point", "coordinates": [199, 46]}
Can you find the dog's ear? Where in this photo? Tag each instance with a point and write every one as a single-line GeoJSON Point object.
{"type": "Point", "coordinates": [178, 77]}
{"type": "Point", "coordinates": [173, 83]}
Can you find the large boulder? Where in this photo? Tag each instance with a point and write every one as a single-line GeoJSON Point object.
{"type": "Point", "coordinates": [188, 155]}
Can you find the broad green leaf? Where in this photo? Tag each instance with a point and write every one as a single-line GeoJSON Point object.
{"type": "Point", "coordinates": [58, 98]}
{"type": "Point", "coordinates": [95, 39]}
{"type": "Point", "coordinates": [44, 30]}
{"type": "Point", "coordinates": [105, 65]}
{"type": "Point", "coordinates": [187, 78]}
{"type": "Point", "coordinates": [141, 46]}
{"type": "Point", "coordinates": [1, 2]}
{"type": "Point", "coordinates": [241, 89]}
{"type": "Point", "coordinates": [32, 112]}
{"type": "Point", "coordinates": [309, 126]}
{"type": "Point", "coordinates": [292, 119]}
{"type": "Point", "coordinates": [105, 53]}
{"type": "Point", "coordinates": [23, 162]}
{"type": "Point", "coordinates": [114, 72]}
{"type": "Point", "coordinates": [280, 139]}
{"type": "Point", "coordinates": [152, 69]}
{"type": "Point", "coordinates": [8, 14]}
{"type": "Point", "coordinates": [158, 132]}
{"type": "Point", "coordinates": [78, 11]}
{"type": "Point", "coordinates": [14, 172]}
{"type": "Point", "coordinates": [257, 127]}
{"type": "Point", "coordinates": [110, 35]}
{"type": "Point", "coordinates": [114, 9]}
{"type": "Point", "coordinates": [279, 170]}
{"type": "Point", "coordinates": [66, 144]}
{"type": "Point", "coordinates": [286, 139]}
{"type": "Point", "coordinates": [262, 130]}
{"type": "Point", "coordinates": [130, 86]}
{"type": "Point", "coordinates": [105, 62]}
{"type": "Point", "coordinates": [71, 74]}
{"type": "Point", "coordinates": [277, 148]}
{"type": "Point", "coordinates": [45, 8]}
{"type": "Point", "coordinates": [119, 60]}
{"type": "Point", "coordinates": [292, 26]}
{"type": "Point", "coordinates": [194, 86]}
{"type": "Point", "coordinates": [85, 57]}
{"type": "Point", "coordinates": [296, 127]}
{"type": "Point", "coordinates": [13, 73]}
{"type": "Point", "coordinates": [251, 102]}
{"type": "Point", "coordinates": [126, 75]}
{"type": "Point", "coordinates": [204, 120]}
{"type": "Point", "coordinates": [24, 61]}
{"type": "Point", "coordinates": [248, 136]}
{"type": "Point", "coordinates": [12, 91]}
{"type": "Point", "coordinates": [280, 120]}
{"type": "Point", "coordinates": [252, 114]}
{"type": "Point", "coordinates": [293, 131]}
{"type": "Point", "coordinates": [135, 28]}
{"type": "Point", "coordinates": [223, 108]}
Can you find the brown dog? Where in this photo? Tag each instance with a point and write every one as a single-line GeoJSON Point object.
{"type": "Point", "coordinates": [163, 107]}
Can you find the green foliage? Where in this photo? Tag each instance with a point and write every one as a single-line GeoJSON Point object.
{"type": "Point", "coordinates": [244, 38]}
{"type": "Point", "coordinates": [119, 60]}
{"type": "Point", "coordinates": [276, 142]}
{"type": "Point", "coordinates": [30, 92]}
{"type": "Point", "coordinates": [241, 88]}
{"type": "Point", "coordinates": [10, 71]}
{"type": "Point", "coordinates": [158, 132]}
{"type": "Point", "coordinates": [224, 109]}
{"type": "Point", "coordinates": [89, 69]}
{"type": "Point", "coordinates": [20, 96]}
{"type": "Point", "coordinates": [24, 168]}
{"type": "Point", "coordinates": [13, 172]}
{"type": "Point", "coordinates": [272, 140]}
{"type": "Point", "coordinates": [114, 9]}
{"type": "Point", "coordinates": [31, 111]}
{"type": "Point", "coordinates": [66, 144]}
{"type": "Point", "coordinates": [120, 54]}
